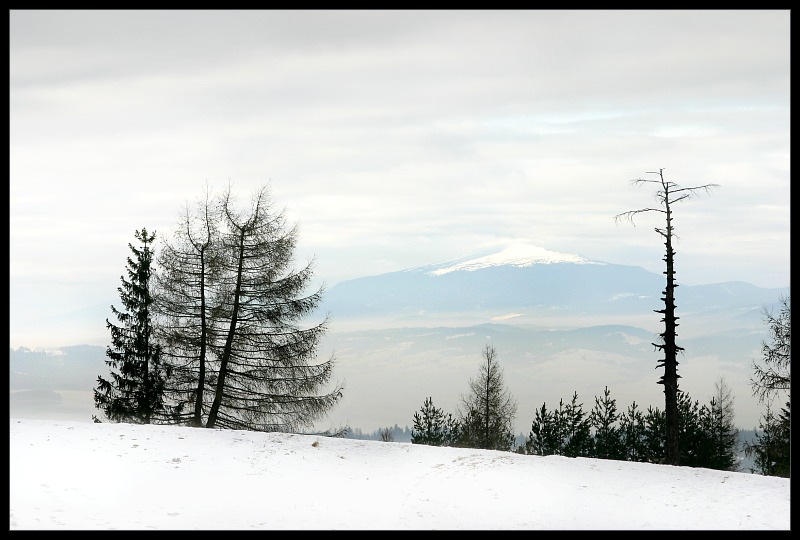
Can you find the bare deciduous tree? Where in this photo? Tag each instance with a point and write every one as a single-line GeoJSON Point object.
{"type": "Point", "coordinates": [232, 307]}
{"type": "Point", "coordinates": [775, 374]}
{"type": "Point", "coordinates": [488, 416]}
{"type": "Point", "coordinates": [267, 380]}
{"type": "Point", "coordinates": [184, 301]}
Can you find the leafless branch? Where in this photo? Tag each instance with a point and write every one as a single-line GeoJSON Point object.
{"type": "Point", "coordinates": [628, 216]}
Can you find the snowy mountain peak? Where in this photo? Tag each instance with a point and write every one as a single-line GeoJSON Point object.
{"type": "Point", "coordinates": [520, 255]}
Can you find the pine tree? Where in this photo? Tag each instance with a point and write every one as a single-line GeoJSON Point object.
{"type": "Point", "coordinates": [578, 439]}
{"type": "Point", "coordinates": [655, 425]}
{"type": "Point", "coordinates": [543, 437]}
{"type": "Point", "coordinates": [134, 391]}
{"type": "Point", "coordinates": [559, 428]}
{"type": "Point", "coordinates": [433, 427]}
{"type": "Point", "coordinates": [632, 428]}
{"type": "Point", "coordinates": [607, 442]}
{"type": "Point", "coordinates": [690, 433]}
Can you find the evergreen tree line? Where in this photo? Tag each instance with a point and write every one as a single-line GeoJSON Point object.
{"type": "Point", "coordinates": [211, 334]}
{"type": "Point", "coordinates": [706, 433]}
{"type": "Point", "coordinates": [708, 438]}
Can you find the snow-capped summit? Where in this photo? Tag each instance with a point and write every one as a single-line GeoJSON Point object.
{"type": "Point", "coordinates": [517, 254]}
{"type": "Point", "coordinates": [522, 278]}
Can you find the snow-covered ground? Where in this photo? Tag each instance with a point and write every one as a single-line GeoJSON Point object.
{"type": "Point", "coordinates": [76, 475]}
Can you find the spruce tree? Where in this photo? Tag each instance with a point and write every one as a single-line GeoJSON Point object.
{"type": "Point", "coordinates": [134, 391]}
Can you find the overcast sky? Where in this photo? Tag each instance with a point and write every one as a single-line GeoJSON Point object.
{"type": "Point", "coordinates": [394, 139]}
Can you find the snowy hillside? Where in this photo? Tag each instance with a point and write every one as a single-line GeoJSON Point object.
{"type": "Point", "coordinates": [169, 477]}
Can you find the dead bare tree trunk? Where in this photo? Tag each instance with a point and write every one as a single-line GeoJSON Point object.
{"type": "Point", "coordinates": [668, 194]}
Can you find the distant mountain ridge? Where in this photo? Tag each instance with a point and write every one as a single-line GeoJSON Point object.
{"type": "Point", "coordinates": [561, 324]}
{"type": "Point", "coordinates": [532, 282]}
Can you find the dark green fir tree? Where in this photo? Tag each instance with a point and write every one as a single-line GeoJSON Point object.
{"type": "Point", "coordinates": [134, 391]}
